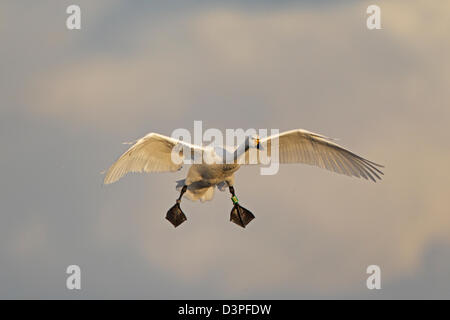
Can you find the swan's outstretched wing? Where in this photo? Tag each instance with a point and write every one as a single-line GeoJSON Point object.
{"type": "Point", "coordinates": [301, 146]}
{"type": "Point", "coordinates": [152, 153]}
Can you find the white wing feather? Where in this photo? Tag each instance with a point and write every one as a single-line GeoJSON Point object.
{"type": "Point", "coordinates": [152, 153]}
{"type": "Point", "coordinates": [301, 146]}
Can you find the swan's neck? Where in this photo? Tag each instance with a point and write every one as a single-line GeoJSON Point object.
{"type": "Point", "coordinates": [241, 149]}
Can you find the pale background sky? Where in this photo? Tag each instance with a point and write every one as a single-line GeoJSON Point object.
{"type": "Point", "coordinates": [68, 99]}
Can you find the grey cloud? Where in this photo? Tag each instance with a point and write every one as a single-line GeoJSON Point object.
{"type": "Point", "coordinates": [72, 98]}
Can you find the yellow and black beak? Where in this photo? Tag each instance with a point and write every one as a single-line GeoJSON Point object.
{"type": "Point", "coordinates": [258, 145]}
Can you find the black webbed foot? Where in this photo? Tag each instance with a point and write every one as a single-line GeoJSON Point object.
{"type": "Point", "coordinates": [241, 216]}
{"type": "Point", "coordinates": [175, 215]}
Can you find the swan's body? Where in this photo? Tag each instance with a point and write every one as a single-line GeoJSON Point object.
{"type": "Point", "coordinates": [153, 153]}
{"type": "Point", "coordinates": [203, 178]}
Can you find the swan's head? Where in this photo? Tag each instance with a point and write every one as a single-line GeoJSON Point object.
{"type": "Point", "coordinates": [254, 142]}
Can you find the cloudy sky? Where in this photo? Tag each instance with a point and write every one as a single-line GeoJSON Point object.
{"type": "Point", "coordinates": [68, 99]}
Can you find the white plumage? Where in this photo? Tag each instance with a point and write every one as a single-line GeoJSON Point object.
{"type": "Point", "coordinates": [153, 153]}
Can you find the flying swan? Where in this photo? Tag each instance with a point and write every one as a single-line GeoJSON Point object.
{"type": "Point", "coordinates": [154, 153]}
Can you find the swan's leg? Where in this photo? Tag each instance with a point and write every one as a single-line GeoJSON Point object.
{"type": "Point", "coordinates": [175, 215]}
{"type": "Point", "coordinates": [183, 191]}
{"type": "Point", "coordinates": [239, 215]}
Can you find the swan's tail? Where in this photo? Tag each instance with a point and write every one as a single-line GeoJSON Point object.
{"type": "Point", "coordinates": [180, 184]}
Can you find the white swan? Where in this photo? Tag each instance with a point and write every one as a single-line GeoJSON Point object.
{"type": "Point", "coordinates": [153, 153]}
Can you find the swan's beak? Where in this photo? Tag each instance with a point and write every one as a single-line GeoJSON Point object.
{"type": "Point", "coordinates": [258, 145]}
